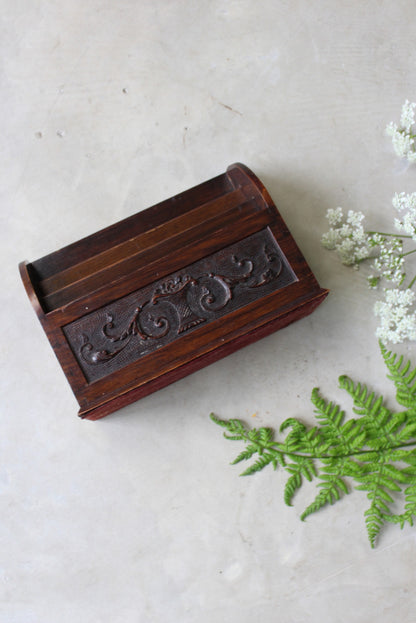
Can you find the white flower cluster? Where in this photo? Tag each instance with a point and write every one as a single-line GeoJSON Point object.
{"type": "Point", "coordinates": [397, 311]}
{"type": "Point", "coordinates": [406, 203]}
{"type": "Point", "coordinates": [347, 236]}
{"type": "Point", "coordinates": [403, 136]}
{"type": "Point", "coordinates": [397, 319]}
{"type": "Point", "coordinates": [389, 262]}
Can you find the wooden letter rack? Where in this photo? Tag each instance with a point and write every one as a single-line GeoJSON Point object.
{"type": "Point", "coordinates": [169, 290]}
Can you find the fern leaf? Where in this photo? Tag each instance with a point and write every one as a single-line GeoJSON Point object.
{"type": "Point", "coordinates": [403, 377]}
{"type": "Point", "coordinates": [373, 521]}
{"type": "Point", "coordinates": [302, 440]}
{"type": "Point", "coordinates": [260, 464]}
{"type": "Point", "coordinates": [266, 435]}
{"type": "Point", "coordinates": [407, 432]}
{"type": "Point", "coordinates": [327, 413]}
{"type": "Point", "coordinates": [410, 504]}
{"type": "Point", "coordinates": [236, 428]}
{"type": "Point", "coordinates": [219, 421]}
{"type": "Point", "coordinates": [396, 421]}
{"type": "Point", "coordinates": [305, 464]}
{"type": "Point", "coordinates": [293, 483]}
{"type": "Point", "coordinates": [394, 473]}
{"type": "Point", "coordinates": [382, 496]}
{"type": "Point", "coordinates": [332, 486]}
{"type": "Point", "coordinates": [245, 454]}
{"type": "Point", "coordinates": [357, 391]}
{"type": "Point", "coordinates": [409, 456]}
{"type": "Point", "coordinates": [296, 433]}
{"type": "Point", "coordinates": [387, 482]}
{"type": "Point", "coordinates": [329, 494]}
{"type": "Point", "coordinates": [302, 467]}
{"type": "Point", "coordinates": [367, 405]}
{"type": "Point", "coordinates": [379, 424]}
{"type": "Point", "coordinates": [410, 509]}
{"type": "Point", "coordinates": [297, 427]}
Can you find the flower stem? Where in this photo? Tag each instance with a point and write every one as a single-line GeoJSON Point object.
{"type": "Point", "coordinates": [382, 233]}
{"type": "Point", "coordinates": [408, 253]}
{"type": "Point", "coordinates": [411, 283]}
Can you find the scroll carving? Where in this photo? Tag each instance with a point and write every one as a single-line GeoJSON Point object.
{"type": "Point", "coordinates": [180, 303]}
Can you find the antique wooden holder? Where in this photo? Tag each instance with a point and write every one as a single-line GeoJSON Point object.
{"type": "Point", "coordinates": [169, 290]}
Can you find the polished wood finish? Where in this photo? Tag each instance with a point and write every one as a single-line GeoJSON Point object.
{"type": "Point", "coordinates": [171, 289]}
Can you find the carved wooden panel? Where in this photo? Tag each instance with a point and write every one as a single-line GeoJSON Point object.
{"type": "Point", "coordinates": [144, 321]}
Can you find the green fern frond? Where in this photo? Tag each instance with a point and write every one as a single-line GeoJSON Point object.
{"type": "Point", "coordinates": [219, 421]}
{"type": "Point", "coordinates": [370, 449]}
{"type": "Point", "coordinates": [332, 486]}
{"type": "Point", "coordinates": [407, 433]}
{"type": "Point", "coordinates": [373, 521]}
{"type": "Point", "coordinates": [328, 414]}
{"type": "Point", "coordinates": [264, 460]}
{"type": "Point", "coordinates": [410, 504]}
{"type": "Point", "coordinates": [292, 485]}
{"type": "Point", "coordinates": [363, 400]}
{"type": "Point", "coordinates": [245, 454]}
{"type": "Point", "coordinates": [410, 509]}
{"type": "Point", "coordinates": [409, 457]}
{"type": "Point", "coordinates": [236, 428]}
{"type": "Point", "coordinates": [365, 403]}
{"type": "Point", "coordinates": [402, 375]}
{"type": "Point", "coordinates": [302, 467]}
{"type": "Point", "coordinates": [265, 435]}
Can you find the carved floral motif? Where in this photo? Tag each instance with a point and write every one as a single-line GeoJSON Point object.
{"type": "Point", "coordinates": [180, 303]}
{"type": "Point", "coordinates": [122, 332]}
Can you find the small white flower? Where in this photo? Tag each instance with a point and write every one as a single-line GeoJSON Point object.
{"type": "Point", "coordinates": [391, 129]}
{"type": "Point", "coordinates": [345, 230]}
{"type": "Point", "coordinates": [334, 216]}
{"type": "Point", "coordinates": [403, 144]}
{"type": "Point", "coordinates": [346, 251]}
{"type": "Point", "coordinates": [397, 320]}
{"type": "Point", "coordinates": [403, 136]}
{"type": "Point", "coordinates": [402, 202]}
{"type": "Point", "coordinates": [347, 236]}
{"type": "Point", "coordinates": [407, 118]}
{"type": "Point", "coordinates": [355, 218]}
{"type": "Point", "coordinates": [330, 239]}
{"type": "Point", "coordinates": [359, 236]}
{"type": "Point", "coordinates": [361, 253]}
{"type": "Point", "coordinates": [389, 262]}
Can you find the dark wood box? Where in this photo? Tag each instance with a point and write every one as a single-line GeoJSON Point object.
{"type": "Point", "coordinates": [169, 290]}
